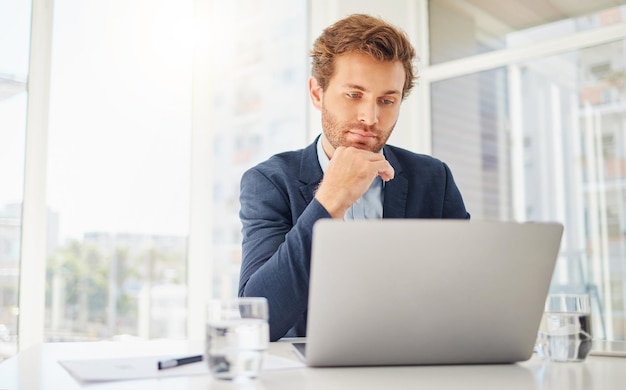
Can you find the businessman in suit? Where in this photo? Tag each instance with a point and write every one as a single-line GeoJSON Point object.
{"type": "Point", "coordinates": [362, 70]}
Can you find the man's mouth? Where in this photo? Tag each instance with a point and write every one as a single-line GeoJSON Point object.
{"type": "Point", "coordinates": [361, 135]}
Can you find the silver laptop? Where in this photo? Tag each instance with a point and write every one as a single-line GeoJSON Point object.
{"type": "Point", "coordinates": [410, 292]}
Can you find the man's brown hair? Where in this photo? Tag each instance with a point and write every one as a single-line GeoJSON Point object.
{"type": "Point", "coordinates": [362, 34]}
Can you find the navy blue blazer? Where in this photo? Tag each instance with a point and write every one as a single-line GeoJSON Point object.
{"type": "Point", "coordinates": [278, 211]}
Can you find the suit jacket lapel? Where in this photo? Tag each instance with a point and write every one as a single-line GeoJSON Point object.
{"type": "Point", "coordinates": [310, 172]}
{"type": "Point", "coordinates": [396, 190]}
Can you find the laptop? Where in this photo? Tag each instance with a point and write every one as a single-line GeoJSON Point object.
{"type": "Point", "coordinates": [419, 292]}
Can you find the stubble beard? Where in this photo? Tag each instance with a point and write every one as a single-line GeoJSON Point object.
{"type": "Point", "coordinates": [336, 131]}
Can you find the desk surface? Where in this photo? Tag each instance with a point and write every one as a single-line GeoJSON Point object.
{"type": "Point", "coordinates": [37, 368]}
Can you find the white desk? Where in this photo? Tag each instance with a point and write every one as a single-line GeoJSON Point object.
{"type": "Point", "coordinates": [38, 368]}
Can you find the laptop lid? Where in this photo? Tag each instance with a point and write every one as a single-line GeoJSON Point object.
{"type": "Point", "coordinates": [405, 292]}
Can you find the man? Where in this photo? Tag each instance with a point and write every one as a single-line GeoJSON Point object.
{"type": "Point", "coordinates": [362, 70]}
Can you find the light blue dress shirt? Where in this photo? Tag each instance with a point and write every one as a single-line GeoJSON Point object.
{"type": "Point", "coordinates": [370, 205]}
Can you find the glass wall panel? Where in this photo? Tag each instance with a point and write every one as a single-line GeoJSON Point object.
{"type": "Point", "coordinates": [470, 138]}
{"type": "Point", "coordinates": [545, 140]}
{"type": "Point", "coordinates": [260, 79]}
{"type": "Point", "coordinates": [14, 46]}
{"type": "Point", "coordinates": [118, 169]}
{"type": "Point", "coordinates": [461, 28]}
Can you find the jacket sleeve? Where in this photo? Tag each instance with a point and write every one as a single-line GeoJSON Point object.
{"type": "Point", "coordinates": [453, 205]}
{"type": "Point", "coordinates": [276, 252]}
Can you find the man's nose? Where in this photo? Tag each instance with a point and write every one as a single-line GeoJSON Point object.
{"type": "Point", "coordinates": [368, 113]}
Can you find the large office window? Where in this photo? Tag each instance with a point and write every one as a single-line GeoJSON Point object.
{"type": "Point", "coordinates": [118, 178]}
{"type": "Point", "coordinates": [119, 153]}
{"type": "Point", "coordinates": [543, 139]}
{"type": "Point", "coordinates": [14, 46]}
{"type": "Point", "coordinates": [118, 169]}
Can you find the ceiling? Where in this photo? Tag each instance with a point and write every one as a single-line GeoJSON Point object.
{"type": "Point", "coordinates": [522, 14]}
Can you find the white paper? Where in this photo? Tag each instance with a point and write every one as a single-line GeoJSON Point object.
{"type": "Point", "coordinates": [101, 370]}
{"type": "Point", "coordinates": [97, 370]}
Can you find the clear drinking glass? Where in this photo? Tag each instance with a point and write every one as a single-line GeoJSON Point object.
{"type": "Point", "coordinates": [237, 336]}
{"type": "Point", "coordinates": [565, 330]}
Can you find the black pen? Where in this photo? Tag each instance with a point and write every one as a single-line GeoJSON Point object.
{"type": "Point", "coordinates": [179, 362]}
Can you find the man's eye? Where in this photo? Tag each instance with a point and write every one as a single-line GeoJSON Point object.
{"type": "Point", "coordinates": [386, 101]}
{"type": "Point", "coordinates": [353, 95]}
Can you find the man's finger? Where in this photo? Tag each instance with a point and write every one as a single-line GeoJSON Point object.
{"type": "Point", "coordinates": [386, 172]}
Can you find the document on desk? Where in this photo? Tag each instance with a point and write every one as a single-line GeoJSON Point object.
{"type": "Point", "coordinates": [146, 367]}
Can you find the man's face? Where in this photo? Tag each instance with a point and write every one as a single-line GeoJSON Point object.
{"type": "Point", "coordinates": [361, 103]}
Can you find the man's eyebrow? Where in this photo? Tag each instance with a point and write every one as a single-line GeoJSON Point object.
{"type": "Point", "coordinates": [354, 86]}
{"type": "Point", "coordinates": [360, 88]}
{"type": "Point", "coordinates": [392, 92]}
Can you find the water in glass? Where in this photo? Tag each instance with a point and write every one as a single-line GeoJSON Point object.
{"type": "Point", "coordinates": [564, 337]}
{"type": "Point", "coordinates": [235, 347]}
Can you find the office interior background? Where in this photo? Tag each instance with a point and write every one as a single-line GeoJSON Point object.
{"type": "Point", "coordinates": [125, 127]}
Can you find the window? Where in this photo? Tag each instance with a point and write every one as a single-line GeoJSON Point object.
{"type": "Point", "coordinates": [122, 205]}
{"type": "Point", "coordinates": [542, 140]}
{"type": "Point", "coordinates": [118, 169]}
{"type": "Point", "coordinates": [119, 151]}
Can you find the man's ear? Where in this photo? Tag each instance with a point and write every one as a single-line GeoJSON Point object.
{"type": "Point", "coordinates": [316, 92]}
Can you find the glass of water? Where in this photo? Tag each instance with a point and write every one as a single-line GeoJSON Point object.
{"type": "Point", "coordinates": [565, 329]}
{"type": "Point", "coordinates": [237, 336]}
